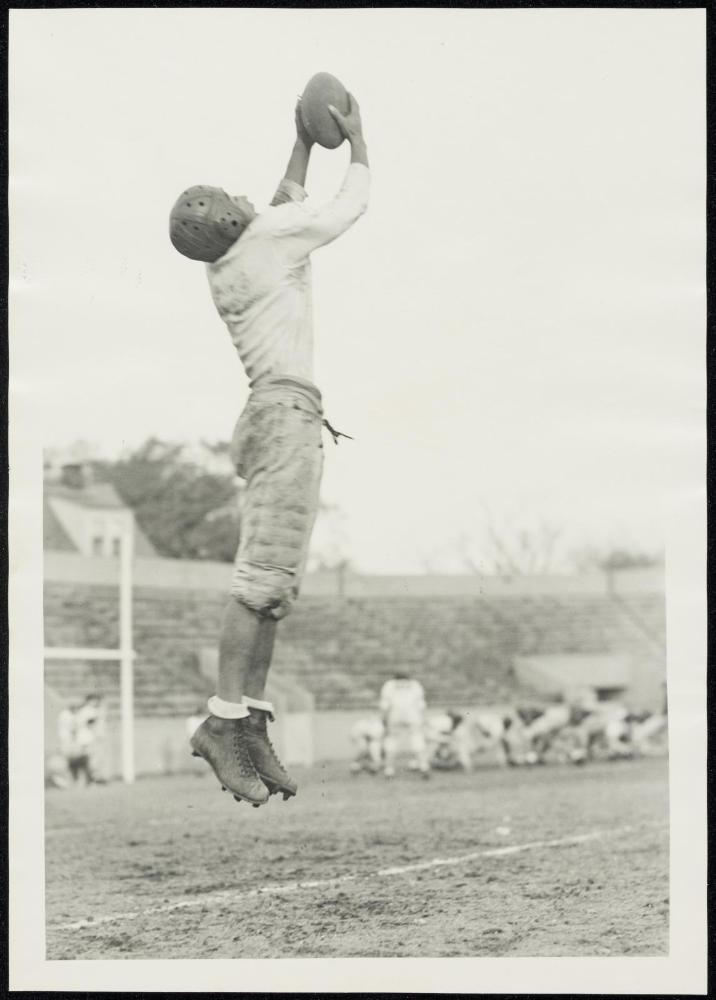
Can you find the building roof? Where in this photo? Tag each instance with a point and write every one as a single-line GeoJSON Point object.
{"type": "Point", "coordinates": [90, 496]}
{"type": "Point", "coordinates": [95, 495]}
{"type": "Point", "coordinates": [55, 538]}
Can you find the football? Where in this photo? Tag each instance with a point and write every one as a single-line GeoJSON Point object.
{"type": "Point", "coordinates": [320, 91]}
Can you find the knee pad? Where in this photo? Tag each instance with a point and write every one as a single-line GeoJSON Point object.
{"type": "Point", "coordinates": [267, 590]}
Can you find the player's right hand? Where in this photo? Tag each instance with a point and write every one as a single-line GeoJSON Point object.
{"type": "Point", "coordinates": [350, 124]}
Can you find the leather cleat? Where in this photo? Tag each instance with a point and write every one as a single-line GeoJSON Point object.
{"type": "Point", "coordinates": [268, 767]}
{"type": "Point", "coordinates": [224, 745]}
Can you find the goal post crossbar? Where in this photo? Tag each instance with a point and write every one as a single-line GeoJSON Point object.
{"type": "Point", "coordinates": [84, 653]}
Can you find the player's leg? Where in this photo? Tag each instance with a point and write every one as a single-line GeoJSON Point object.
{"type": "Point", "coordinates": [281, 460]}
{"type": "Point", "coordinates": [279, 524]}
{"type": "Point", "coordinates": [359, 757]}
{"type": "Point", "coordinates": [646, 735]}
{"type": "Point", "coordinates": [419, 748]}
{"type": "Point", "coordinates": [462, 744]}
{"type": "Point", "coordinates": [374, 755]}
{"type": "Point", "coordinates": [390, 752]}
{"type": "Point", "coordinates": [234, 738]}
{"type": "Point", "coordinates": [222, 739]}
{"type": "Point", "coordinates": [73, 766]}
{"type": "Point", "coordinates": [245, 649]}
{"type": "Point", "coordinates": [83, 765]}
{"type": "Point", "coordinates": [245, 652]}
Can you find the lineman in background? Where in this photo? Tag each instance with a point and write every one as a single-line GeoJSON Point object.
{"type": "Point", "coordinates": [438, 733]}
{"type": "Point", "coordinates": [367, 737]}
{"type": "Point", "coordinates": [540, 733]}
{"type": "Point", "coordinates": [649, 732]}
{"type": "Point", "coordinates": [515, 744]}
{"type": "Point", "coordinates": [75, 740]}
{"type": "Point", "coordinates": [601, 730]}
{"type": "Point", "coordinates": [92, 716]}
{"type": "Point", "coordinates": [402, 708]}
{"type": "Point", "coordinates": [488, 730]}
{"type": "Point", "coordinates": [450, 743]}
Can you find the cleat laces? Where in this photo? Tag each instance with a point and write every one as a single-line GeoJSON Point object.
{"type": "Point", "coordinates": [242, 752]}
{"type": "Point", "coordinates": [271, 750]}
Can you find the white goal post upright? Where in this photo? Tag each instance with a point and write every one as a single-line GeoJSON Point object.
{"type": "Point", "coordinates": [124, 654]}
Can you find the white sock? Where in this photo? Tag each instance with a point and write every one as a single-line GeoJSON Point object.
{"type": "Point", "coordinates": [226, 709]}
{"type": "Point", "coordinates": [265, 706]}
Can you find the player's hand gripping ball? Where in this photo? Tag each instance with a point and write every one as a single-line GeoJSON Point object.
{"type": "Point", "coordinates": [320, 91]}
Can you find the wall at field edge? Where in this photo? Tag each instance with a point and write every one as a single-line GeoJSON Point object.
{"type": "Point", "coordinates": [161, 745]}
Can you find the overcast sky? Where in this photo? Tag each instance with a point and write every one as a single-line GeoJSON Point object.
{"type": "Point", "coordinates": [518, 321]}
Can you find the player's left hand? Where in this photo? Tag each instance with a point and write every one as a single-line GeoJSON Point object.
{"type": "Point", "coordinates": [301, 131]}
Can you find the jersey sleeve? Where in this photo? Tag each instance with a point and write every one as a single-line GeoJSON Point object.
{"type": "Point", "coordinates": [309, 228]}
{"type": "Point", "coordinates": [288, 190]}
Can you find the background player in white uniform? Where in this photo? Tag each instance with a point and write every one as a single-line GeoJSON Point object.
{"type": "Point", "coordinates": [367, 738]}
{"type": "Point", "coordinates": [92, 718]}
{"type": "Point", "coordinates": [488, 734]}
{"type": "Point", "coordinates": [259, 272]}
{"type": "Point", "coordinates": [541, 731]}
{"type": "Point", "coordinates": [649, 731]}
{"type": "Point", "coordinates": [402, 707]}
{"type": "Point", "coordinates": [600, 729]}
{"type": "Point", "coordinates": [451, 740]}
{"type": "Point", "coordinates": [75, 740]}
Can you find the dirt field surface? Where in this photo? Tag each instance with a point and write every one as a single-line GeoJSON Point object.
{"type": "Point", "coordinates": [551, 861]}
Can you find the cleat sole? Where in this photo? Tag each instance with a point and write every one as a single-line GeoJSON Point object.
{"type": "Point", "coordinates": [238, 798]}
{"type": "Point", "coordinates": [274, 788]}
{"type": "Point", "coordinates": [256, 805]}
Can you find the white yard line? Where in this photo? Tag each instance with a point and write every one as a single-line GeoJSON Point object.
{"type": "Point", "coordinates": [227, 895]}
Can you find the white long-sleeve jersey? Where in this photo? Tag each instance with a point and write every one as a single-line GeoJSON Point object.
{"type": "Point", "coordinates": [403, 702]}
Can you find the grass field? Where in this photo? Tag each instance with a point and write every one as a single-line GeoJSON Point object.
{"type": "Point", "coordinates": [552, 861]}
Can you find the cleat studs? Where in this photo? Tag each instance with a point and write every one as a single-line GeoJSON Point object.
{"type": "Point", "coordinates": [223, 788]}
{"type": "Point", "coordinates": [195, 754]}
{"type": "Point", "coordinates": [255, 804]}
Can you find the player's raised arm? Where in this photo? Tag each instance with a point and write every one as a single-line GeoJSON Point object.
{"type": "Point", "coordinates": [297, 165]}
{"type": "Point", "coordinates": [352, 128]}
{"type": "Point", "coordinates": [317, 226]}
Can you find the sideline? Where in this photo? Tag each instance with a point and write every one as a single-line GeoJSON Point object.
{"type": "Point", "coordinates": [228, 895]}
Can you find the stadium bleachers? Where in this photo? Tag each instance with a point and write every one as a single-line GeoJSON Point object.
{"type": "Point", "coordinates": [341, 650]}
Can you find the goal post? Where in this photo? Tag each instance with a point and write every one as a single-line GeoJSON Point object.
{"type": "Point", "coordinates": [124, 654]}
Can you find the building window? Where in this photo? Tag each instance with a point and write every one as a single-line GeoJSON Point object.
{"type": "Point", "coordinates": [97, 545]}
{"type": "Point", "coordinates": [116, 546]}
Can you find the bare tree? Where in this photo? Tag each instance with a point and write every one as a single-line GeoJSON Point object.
{"type": "Point", "coordinates": [611, 558]}
{"type": "Point", "coordinates": [513, 548]}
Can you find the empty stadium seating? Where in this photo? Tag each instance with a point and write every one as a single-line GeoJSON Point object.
{"type": "Point", "coordinates": [341, 649]}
